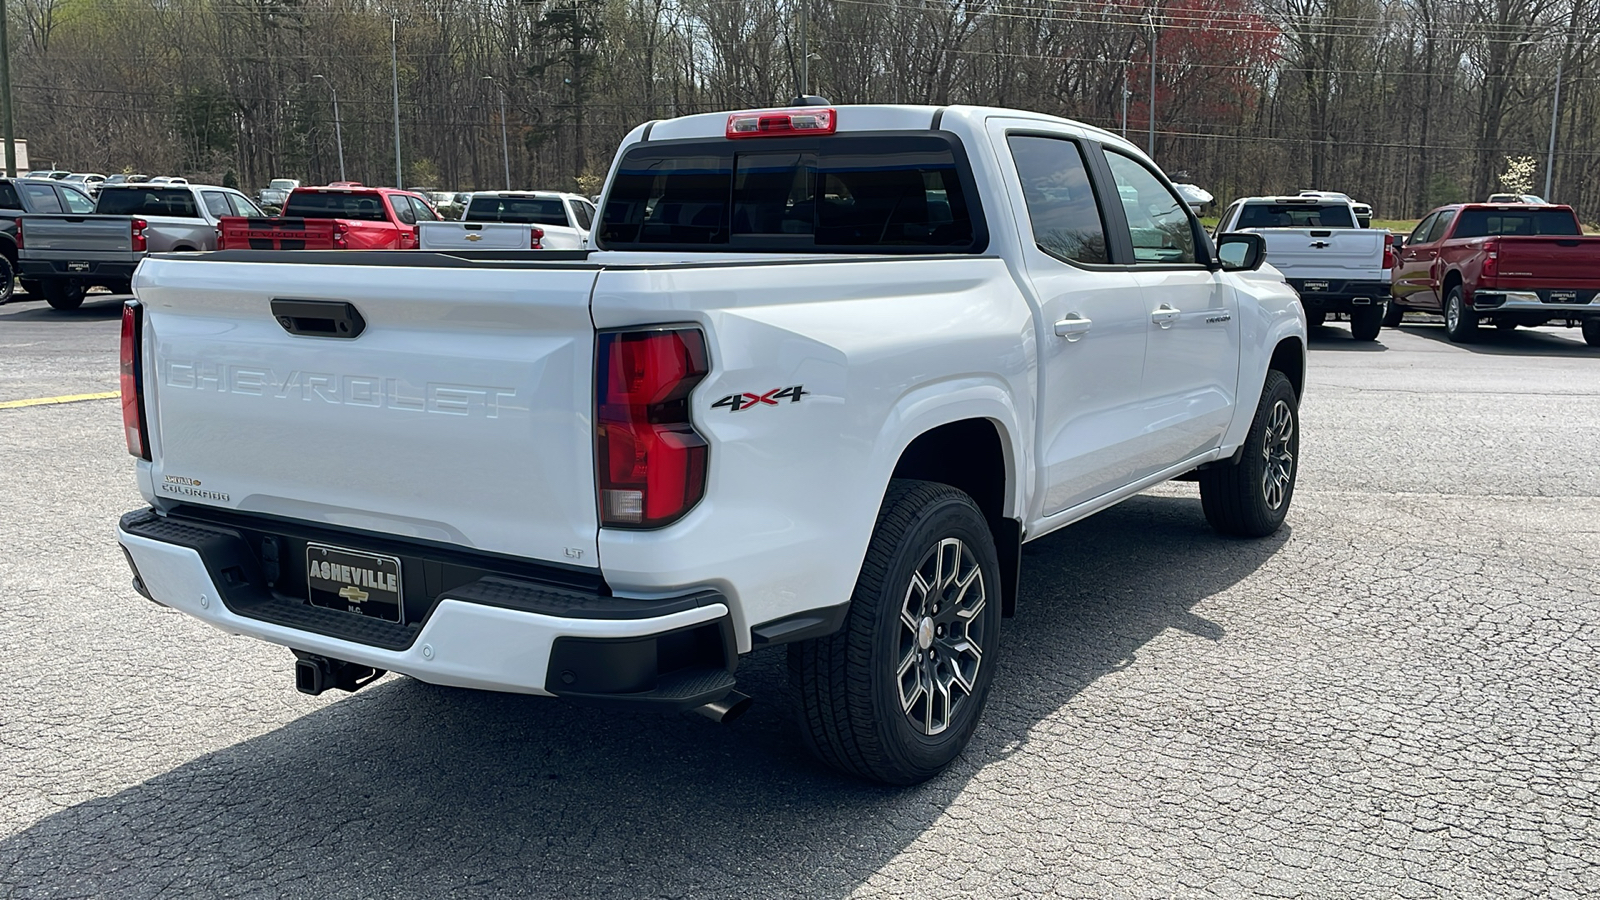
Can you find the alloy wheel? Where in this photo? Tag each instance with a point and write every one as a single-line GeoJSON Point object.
{"type": "Point", "coordinates": [1276, 448]}
{"type": "Point", "coordinates": [940, 636]}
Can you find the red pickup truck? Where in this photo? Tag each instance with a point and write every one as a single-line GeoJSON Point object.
{"type": "Point", "coordinates": [1510, 264]}
{"type": "Point", "coordinates": [336, 217]}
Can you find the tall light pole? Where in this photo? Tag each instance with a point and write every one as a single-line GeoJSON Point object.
{"type": "Point", "coordinates": [805, 47]}
{"type": "Point", "coordinates": [1555, 117]}
{"type": "Point", "coordinates": [338, 133]}
{"type": "Point", "coordinates": [505, 144]}
{"type": "Point", "coordinates": [1151, 146]}
{"type": "Point", "coordinates": [394, 64]}
{"type": "Point", "coordinates": [5, 88]}
{"type": "Point", "coordinates": [1125, 92]}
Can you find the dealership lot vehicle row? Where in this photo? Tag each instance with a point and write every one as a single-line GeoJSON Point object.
{"type": "Point", "coordinates": [1392, 697]}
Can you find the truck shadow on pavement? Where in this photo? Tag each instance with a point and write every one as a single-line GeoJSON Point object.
{"type": "Point", "coordinates": [411, 790]}
{"type": "Point", "coordinates": [95, 306]}
{"type": "Point", "coordinates": [1521, 342]}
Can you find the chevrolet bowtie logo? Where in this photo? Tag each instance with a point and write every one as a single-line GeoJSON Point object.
{"type": "Point", "coordinates": [354, 593]}
{"type": "Point", "coordinates": [474, 237]}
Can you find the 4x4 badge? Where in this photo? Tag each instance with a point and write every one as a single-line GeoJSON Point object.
{"type": "Point", "coordinates": [747, 400]}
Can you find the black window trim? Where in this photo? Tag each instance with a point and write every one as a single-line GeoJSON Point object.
{"type": "Point", "coordinates": [1205, 256]}
{"type": "Point", "coordinates": [1096, 184]}
{"type": "Point", "coordinates": [964, 172]}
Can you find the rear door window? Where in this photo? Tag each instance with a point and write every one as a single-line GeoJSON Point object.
{"type": "Point", "coordinates": [8, 196]}
{"type": "Point", "coordinates": [891, 193]}
{"type": "Point", "coordinates": [42, 197]}
{"type": "Point", "coordinates": [77, 202]}
{"type": "Point", "coordinates": [581, 213]}
{"type": "Point", "coordinates": [216, 204]}
{"type": "Point", "coordinates": [1420, 235]}
{"type": "Point", "coordinates": [1066, 216]}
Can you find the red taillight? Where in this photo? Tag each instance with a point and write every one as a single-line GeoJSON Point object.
{"type": "Point", "coordinates": [340, 242]}
{"type": "Point", "coordinates": [19, 234]}
{"type": "Point", "coordinates": [535, 238]}
{"type": "Point", "coordinates": [651, 463]}
{"type": "Point", "coordinates": [133, 382]}
{"type": "Point", "coordinates": [1491, 259]}
{"type": "Point", "coordinates": [1389, 261]}
{"type": "Point", "coordinates": [780, 122]}
{"type": "Point", "coordinates": [140, 245]}
{"type": "Point", "coordinates": [220, 241]}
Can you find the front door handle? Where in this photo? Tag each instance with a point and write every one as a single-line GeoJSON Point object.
{"type": "Point", "coordinates": [1165, 315]}
{"type": "Point", "coordinates": [1073, 327]}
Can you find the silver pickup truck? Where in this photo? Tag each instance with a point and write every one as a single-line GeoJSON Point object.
{"type": "Point", "coordinates": [68, 254]}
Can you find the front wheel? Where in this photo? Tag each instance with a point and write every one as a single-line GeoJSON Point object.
{"type": "Point", "coordinates": [1393, 315]}
{"type": "Point", "coordinates": [1591, 332]}
{"type": "Point", "coordinates": [64, 295]}
{"type": "Point", "coordinates": [1366, 322]}
{"type": "Point", "coordinates": [1460, 323]}
{"type": "Point", "coordinates": [895, 694]}
{"type": "Point", "coordinates": [1250, 498]}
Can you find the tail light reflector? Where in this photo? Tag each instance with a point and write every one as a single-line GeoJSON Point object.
{"type": "Point", "coordinates": [1491, 259]}
{"type": "Point", "coordinates": [781, 122]}
{"type": "Point", "coordinates": [651, 463]}
{"type": "Point", "coordinates": [140, 244]}
{"type": "Point", "coordinates": [1389, 261]}
{"type": "Point", "coordinates": [221, 243]}
{"type": "Point", "coordinates": [132, 376]}
{"type": "Point", "coordinates": [19, 234]}
{"type": "Point", "coordinates": [535, 238]}
{"type": "Point", "coordinates": [340, 241]}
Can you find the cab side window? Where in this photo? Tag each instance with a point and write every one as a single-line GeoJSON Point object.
{"type": "Point", "coordinates": [1062, 207]}
{"type": "Point", "coordinates": [1158, 220]}
{"type": "Point", "coordinates": [8, 196]}
{"type": "Point", "coordinates": [77, 202]}
{"type": "Point", "coordinates": [43, 197]}
{"type": "Point", "coordinates": [1420, 234]}
{"type": "Point", "coordinates": [1440, 226]}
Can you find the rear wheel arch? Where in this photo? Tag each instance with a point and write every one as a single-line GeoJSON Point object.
{"type": "Point", "coordinates": [1451, 279]}
{"type": "Point", "coordinates": [8, 249]}
{"type": "Point", "coordinates": [971, 456]}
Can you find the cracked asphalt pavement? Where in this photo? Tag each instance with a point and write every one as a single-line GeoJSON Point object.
{"type": "Point", "coordinates": [1393, 697]}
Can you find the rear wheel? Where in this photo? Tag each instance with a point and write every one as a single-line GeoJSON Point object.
{"type": "Point", "coordinates": [896, 693]}
{"type": "Point", "coordinates": [1366, 322]}
{"type": "Point", "coordinates": [1393, 314]}
{"type": "Point", "coordinates": [64, 295]}
{"type": "Point", "coordinates": [1250, 498]}
{"type": "Point", "coordinates": [1460, 322]}
{"type": "Point", "coordinates": [8, 280]}
{"type": "Point", "coordinates": [30, 286]}
{"type": "Point", "coordinates": [1591, 332]}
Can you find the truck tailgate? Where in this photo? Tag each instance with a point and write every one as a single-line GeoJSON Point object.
{"type": "Point", "coordinates": [473, 236]}
{"type": "Point", "coordinates": [1552, 261]}
{"type": "Point", "coordinates": [461, 412]}
{"type": "Point", "coordinates": [54, 234]}
{"type": "Point", "coordinates": [239, 233]}
{"type": "Point", "coordinates": [1332, 253]}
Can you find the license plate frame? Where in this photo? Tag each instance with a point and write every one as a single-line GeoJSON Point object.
{"type": "Point", "coordinates": [75, 266]}
{"type": "Point", "coordinates": [1563, 297]}
{"type": "Point", "coordinates": [359, 582]}
{"type": "Point", "coordinates": [1316, 287]}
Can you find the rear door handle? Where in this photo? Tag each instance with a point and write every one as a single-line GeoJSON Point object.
{"type": "Point", "coordinates": [1073, 327]}
{"type": "Point", "coordinates": [1165, 315]}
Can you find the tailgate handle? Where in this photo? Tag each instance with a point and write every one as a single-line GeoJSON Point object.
{"type": "Point", "coordinates": [319, 318]}
{"type": "Point", "coordinates": [474, 226]}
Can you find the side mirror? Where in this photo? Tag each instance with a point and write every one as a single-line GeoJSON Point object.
{"type": "Point", "coordinates": [1241, 252]}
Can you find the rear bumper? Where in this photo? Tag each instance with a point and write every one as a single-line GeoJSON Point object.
{"type": "Point", "coordinates": [86, 269]}
{"type": "Point", "coordinates": [1325, 295]}
{"type": "Point", "coordinates": [1487, 301]}
{"type": "Point", "coordinates": [491, 633]}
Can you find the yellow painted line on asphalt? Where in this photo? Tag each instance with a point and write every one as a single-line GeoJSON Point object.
{"type": "Point", "coordinates": [50, 401]}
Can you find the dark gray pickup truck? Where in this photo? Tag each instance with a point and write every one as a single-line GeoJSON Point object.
{"type": "Point", "coordinates": [19, 197]}
{"type": "Point", "coordinates": [68, 254]}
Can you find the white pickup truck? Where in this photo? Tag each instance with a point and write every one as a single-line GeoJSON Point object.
{"type": "Point", "coordinates": [824, 372]}
{"type": "Point", "coordinates": [510, 220]}
{"type": "Point", "coordinates": [1336, 265]}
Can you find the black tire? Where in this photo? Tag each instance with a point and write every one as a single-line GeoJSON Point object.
{"type": "Point", "coordinates": [64, 295]}
{"type": "Point", "coordinates": [851, 685]}
{"type": "Point", "coordinates": [8, 280]}
{"type": "Point", "coordinates": [1366, 322]}
{"type": "Point", "coordinates": [1316, 319]}
{"type": "Point", "coordinates": [30, 286]}
{"type": "Point", "coordinates": [1460, 322]}
{"type": "Point", "coordinates": [1238, 498]}
{"type": "Point", "coordinates": [1591, 332]}
{"type": "Point", "coordinates": [1393, 314]}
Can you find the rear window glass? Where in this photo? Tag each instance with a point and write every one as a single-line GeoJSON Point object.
{"type": "Point", "coordinates": [175, 202]}
{"type": "Point", "coordinates": [335, 205]}
{"type": "Point", "coordinates": [1484, 222]}
{"type": "Point", "coordinates": [518, 210]}
{"type": "Point", "coordinates": [1295, 215]}
{"type": "Point", "coordinates": [868, 193]}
